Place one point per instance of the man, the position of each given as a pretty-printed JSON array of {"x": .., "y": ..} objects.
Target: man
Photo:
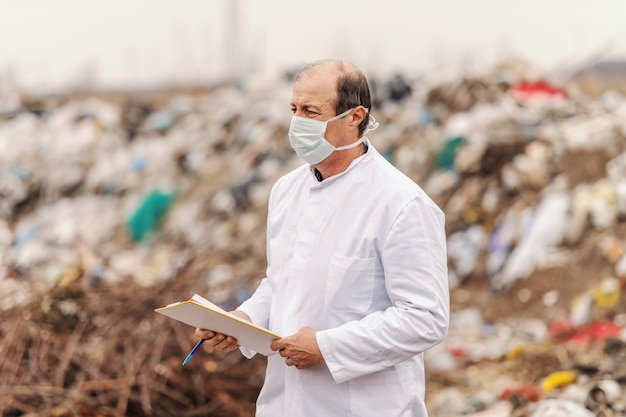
[{"x": 356, "y": 266}]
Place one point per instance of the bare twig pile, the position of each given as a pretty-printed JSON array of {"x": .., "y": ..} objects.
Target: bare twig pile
[{"x": 104, "y": 352}]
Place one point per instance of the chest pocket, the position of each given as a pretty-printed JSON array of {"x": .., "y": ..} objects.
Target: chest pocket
[{"x": 350, "y": 284}]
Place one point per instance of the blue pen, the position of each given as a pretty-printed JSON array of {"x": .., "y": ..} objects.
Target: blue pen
[{"x": 196, "y": 347}]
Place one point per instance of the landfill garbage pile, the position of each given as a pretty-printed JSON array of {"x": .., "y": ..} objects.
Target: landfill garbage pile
[{"x": 114, "y": 205}]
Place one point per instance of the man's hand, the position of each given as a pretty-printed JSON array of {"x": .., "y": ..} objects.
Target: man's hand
[
  {"x": 299, "y": 349},
  {"x": 221, "y": 341}
]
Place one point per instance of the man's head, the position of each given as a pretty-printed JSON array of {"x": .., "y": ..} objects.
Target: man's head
[{"x": 342, "y": 86}]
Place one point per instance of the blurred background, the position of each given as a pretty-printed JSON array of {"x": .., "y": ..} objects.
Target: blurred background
[
  {"x": 139, "y": 142},
  {"x": 52, "y": 46}
]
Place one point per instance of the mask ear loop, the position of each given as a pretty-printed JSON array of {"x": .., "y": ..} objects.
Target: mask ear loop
[
  {"x": 372, "y": 124},
  {"x": 339, "y": 116}
]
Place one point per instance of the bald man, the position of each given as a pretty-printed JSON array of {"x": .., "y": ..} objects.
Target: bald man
[{"x": 356, "y": 266}]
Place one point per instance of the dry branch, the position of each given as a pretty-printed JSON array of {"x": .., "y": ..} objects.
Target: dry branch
[{"x": 65, "y": 365}]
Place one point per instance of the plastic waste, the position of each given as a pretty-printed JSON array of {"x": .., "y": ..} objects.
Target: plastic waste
[
  {"x": 499, "y": 409},
  {"x": 504, "y": 238},
  {"x": 616, "y": 174},
  {"x": 580, "y": 308},
  {"x": 147, "y": 218},
  {"x": 528, "y": 393},
  {"x": 558, "y": 379},
  {"x": 560, "y": 408},
  {"x": 441, "y": 359},
  {"x": 532, "y": 167},
  {"x": 603, "y": 205},
  {"x": 464, "y": 248},
  {"x": 607, "y": 294},
  {"x": 441, "y": 182},
  {"x": 578, "y": 217},
  {"x": 603, "y": 393},
  {"x": 164, "y": 120},
  {"x": 594, "y": 331},
  {"x": 446, "y": 156},
  {"x": 450, "y": 401},
  {"x": 545, "y": 233},
  {"x": 541, "y": 92},
  {"x": 13, "y": 192}
]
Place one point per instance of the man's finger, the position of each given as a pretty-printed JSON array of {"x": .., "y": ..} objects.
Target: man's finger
[
  {"x": 204, "y": 334},
  {"x": 277, "y": 345},
  {"x": 224, "y": 342}
]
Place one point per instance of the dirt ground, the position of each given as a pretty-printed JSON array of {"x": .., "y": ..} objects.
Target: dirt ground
[{"x": 569, "y": 280}]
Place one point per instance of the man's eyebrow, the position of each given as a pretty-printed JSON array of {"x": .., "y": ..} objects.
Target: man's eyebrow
[{"x": 308, "y": 107}]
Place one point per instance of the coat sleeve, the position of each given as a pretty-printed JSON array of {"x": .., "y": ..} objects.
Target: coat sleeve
[
  {"x": 258, "y": 306},
  {"x": 414, "y": 261}
]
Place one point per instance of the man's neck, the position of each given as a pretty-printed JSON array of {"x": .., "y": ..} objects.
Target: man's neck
[{"x": 338, "y": 162}]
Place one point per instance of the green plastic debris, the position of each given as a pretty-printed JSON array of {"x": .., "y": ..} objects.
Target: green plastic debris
[
  {"x": 447, "y": 155},
  {"x": 147, "y": 218}
]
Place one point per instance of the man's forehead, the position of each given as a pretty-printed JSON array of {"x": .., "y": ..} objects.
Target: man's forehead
[
  {"x": 314, "y": 91},
  {"x": 318, "y": 101}
]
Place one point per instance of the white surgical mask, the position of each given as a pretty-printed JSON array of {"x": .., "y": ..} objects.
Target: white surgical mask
[{"x": 307, "y": 138}]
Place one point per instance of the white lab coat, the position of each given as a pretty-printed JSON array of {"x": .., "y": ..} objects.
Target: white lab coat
[{"x": 361, "y": 258}]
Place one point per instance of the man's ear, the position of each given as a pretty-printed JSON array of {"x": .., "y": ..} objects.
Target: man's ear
[{"x": 358, "y": 115}]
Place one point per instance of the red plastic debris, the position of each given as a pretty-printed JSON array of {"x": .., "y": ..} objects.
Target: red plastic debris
[
  {"x": 528, "y": 393},
  {"x": 602, "y": 330},
  {"x": 537, "y": 91},
  {"x": 596, "y": 331},
  {"x": 457, "y": 351},
  {"x": 560, "y": 329}
]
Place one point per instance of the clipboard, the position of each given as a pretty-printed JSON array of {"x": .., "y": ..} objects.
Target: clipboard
[{"x": 201, "y": 313}]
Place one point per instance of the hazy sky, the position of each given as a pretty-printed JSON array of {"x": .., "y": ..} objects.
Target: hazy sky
[{"x": 54, "y": 43}]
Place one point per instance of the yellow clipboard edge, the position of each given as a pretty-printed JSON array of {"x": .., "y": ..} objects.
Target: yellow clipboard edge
[{"x": 230, "y": 316}]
